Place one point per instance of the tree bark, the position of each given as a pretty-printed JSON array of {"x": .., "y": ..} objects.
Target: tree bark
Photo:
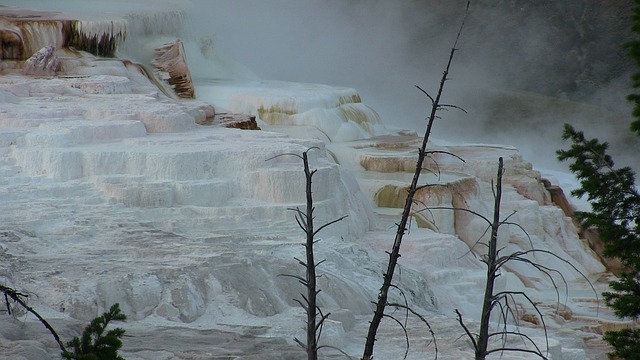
[
  {"x": 492, "y": 256},
  {"x": 312, "y": 346},
  {"x": 406, "y": 213}
]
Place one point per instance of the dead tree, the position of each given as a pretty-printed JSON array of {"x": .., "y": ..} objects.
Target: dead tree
[
  {"x": 20, "y": 298},
  {"x": 305, "y": 220},
  {"x": 394, "y": 255},
  {"x": 504, "y": 301}
]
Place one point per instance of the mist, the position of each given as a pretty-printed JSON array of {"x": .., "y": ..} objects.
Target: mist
[{"x": 522, "y": 68}]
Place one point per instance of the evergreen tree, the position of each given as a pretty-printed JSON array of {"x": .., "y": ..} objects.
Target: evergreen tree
[
  {"x": 615, "y": 212},
  {"x": 95, "y": 344}
]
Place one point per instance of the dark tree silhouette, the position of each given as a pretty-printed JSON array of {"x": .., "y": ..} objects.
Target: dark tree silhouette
[
  {"x": 305, "y": 220},
  {"x": 501, "y": 304},
  {"x": 615, "y": 213},
  {"x": 11, "y": 294},
  {"x": 394, "y": 255},
  {"x": 95, "y": 344}
]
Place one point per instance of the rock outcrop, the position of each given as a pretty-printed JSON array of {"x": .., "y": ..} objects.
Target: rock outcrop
[
  {"x": 43, "y": 62},
  {"x": 235, "y": 121},
  {"x": 170, "y": 65}
]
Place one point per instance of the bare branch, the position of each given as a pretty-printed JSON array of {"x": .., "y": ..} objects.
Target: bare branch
[
  {"x": 17, "y": 297},
  {"x": 454, "y": 107},
  {"x": 535, "y": 307},
  {"x": 518, "y": 334},
  {"x": 508, "y": 217},
  {"x": 427, "y": 94},
  {"x": 299, "y": 278},
  {"x": 330, "y": 223},
  {"x": 460, "y": 209},
  {"x": 521, "y": 228},
  {"x": 301, "y": 223},
  {"x": 286, "y": 154},
  {"x": 433, "y": 334},
  {"x": 303, "y": 306},
  {"x": 336, "y": 349},
  {"x": 406, "y": 335},
  {"x": 445, "y": 152},
  {"x": 471, "y": 337}
]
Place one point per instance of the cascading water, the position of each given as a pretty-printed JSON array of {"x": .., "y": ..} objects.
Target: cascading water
[
  {"x": 36, "y": 35},
  {"x": 81, "y": 24},
  {"x": 101, "y": 38}
]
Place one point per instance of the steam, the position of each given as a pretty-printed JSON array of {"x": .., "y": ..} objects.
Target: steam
[
  {"x": 522, "y": 69},
  {"x": 355, "y": 44},
  {"x": 384, "y": 48}
]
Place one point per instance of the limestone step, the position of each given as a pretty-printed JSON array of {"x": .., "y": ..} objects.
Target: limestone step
[
  {"x": 5, "y": 159},
  {"x": 139, "y": 191},
  {"x": 77, "y": 132},
  {"x": 8, "y": 137},
  {"x": 9, "y": 170}
]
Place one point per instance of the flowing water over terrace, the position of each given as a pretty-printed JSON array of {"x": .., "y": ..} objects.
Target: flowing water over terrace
[{"x": 112, "y": 193}]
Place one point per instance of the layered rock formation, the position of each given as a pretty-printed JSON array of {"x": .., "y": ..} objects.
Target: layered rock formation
[
  {"x": 235, "y": 121},
  {"x": 170, "y": 64},
  {"x": 24, "y": 31},
  {"x": 111, "y": 192},
  {"x": 43, "y": 62}
]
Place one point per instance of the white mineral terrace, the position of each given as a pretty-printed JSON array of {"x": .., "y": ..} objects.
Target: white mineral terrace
[{"x": 110, "y": 192}]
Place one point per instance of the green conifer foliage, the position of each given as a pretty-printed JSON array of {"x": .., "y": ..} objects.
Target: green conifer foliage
[
  {"x": 612, "y": 194},
  {"x": 95, "y": 344},
  {"x": 615, "y": 212}
]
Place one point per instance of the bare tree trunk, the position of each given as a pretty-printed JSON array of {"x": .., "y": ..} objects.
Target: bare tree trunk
[
  {"x": 402, "y": 227},
  {"x": 315, "y": 317},
  {"x": 503, "y": 301},
  {"x": 312, "y": 346},
  {"x": 492, "y": 257}
]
